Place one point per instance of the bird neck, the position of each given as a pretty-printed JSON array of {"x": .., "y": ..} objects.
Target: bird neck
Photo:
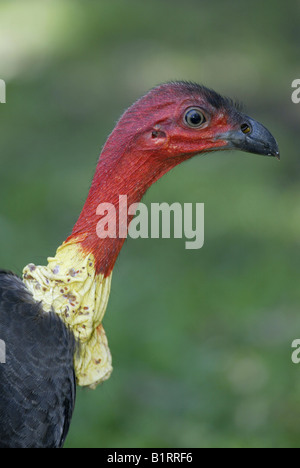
[
  {"x": 121, "y": 171},
  {"x": 76, "y": 282},
  {"x": 70, "y": 287}
]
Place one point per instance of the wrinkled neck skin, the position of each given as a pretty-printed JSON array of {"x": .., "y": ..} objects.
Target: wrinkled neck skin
[{"x": 76, "y": 282}]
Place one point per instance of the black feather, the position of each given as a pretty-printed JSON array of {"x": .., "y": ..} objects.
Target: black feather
[
  {"x": 213, "y": 98},
  {"x": 37, "y": 382}
]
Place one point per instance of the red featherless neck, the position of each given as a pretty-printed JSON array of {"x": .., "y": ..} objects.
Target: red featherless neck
[{"x": 124, "y": 168}]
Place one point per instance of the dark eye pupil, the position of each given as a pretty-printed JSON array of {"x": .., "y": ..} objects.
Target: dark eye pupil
[{"x": 194, "y": 118}]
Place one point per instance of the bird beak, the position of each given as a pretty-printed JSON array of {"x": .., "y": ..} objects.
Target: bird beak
[{"x": 252, "y": 137}]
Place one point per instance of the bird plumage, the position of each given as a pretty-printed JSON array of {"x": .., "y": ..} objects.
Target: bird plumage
[
  {"x": 37, "y": 382},
  {"x": 51, "y": 322}
]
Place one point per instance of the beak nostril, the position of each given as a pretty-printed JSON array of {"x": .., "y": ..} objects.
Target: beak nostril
[{"x": 246, "y": 128}]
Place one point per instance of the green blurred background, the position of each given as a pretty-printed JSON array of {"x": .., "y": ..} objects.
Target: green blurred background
[{"x": 201, "y": 340}]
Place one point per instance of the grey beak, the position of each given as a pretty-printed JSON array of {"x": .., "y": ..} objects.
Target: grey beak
[{"x": 252, "y": 137}]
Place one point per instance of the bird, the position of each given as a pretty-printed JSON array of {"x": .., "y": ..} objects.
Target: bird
[{"x": 51, "y": 317}]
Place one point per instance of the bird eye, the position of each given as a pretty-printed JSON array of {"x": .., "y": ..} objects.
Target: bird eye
[
  {"x": 246, "y": 128},
  {"x": 194, "y": 117}
]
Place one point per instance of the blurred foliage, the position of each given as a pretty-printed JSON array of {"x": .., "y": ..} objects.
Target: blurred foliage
[{"x": 201, "y": 340}]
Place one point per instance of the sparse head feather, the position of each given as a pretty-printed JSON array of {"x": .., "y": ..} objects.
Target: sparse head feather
[
  {"x": 167, "y": 93},
  {"x": 191, "y": 88}
]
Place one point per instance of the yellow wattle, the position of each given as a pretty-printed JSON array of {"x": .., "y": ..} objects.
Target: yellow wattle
[{"x": 70, "y": 286}]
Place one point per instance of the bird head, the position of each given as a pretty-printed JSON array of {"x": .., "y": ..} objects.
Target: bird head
[
  {"x": 181, "y": 119},
  {"x": 167, "y": 126}
]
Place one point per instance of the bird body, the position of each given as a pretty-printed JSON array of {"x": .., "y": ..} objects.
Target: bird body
[
  {"x": 37, "y": 381},
  {"x": 51, "y": 321}
]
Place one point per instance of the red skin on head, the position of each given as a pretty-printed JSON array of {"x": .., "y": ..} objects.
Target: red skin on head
[{"x": 149, "y": 140}]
